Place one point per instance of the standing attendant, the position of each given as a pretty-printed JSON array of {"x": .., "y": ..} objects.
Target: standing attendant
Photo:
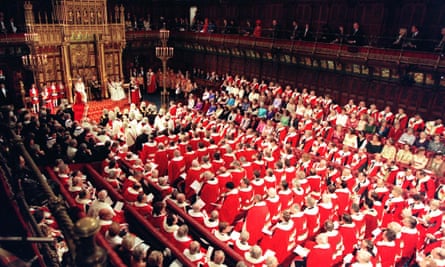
[
  {"x": 151, "y": 82},
  {"x": 356, "y": 37},
  {"x": 34, "y": 96},
  {"x": 4, "y": 95},
  {"x": 257, "y": 29},
  {"x": 46, "y": 96},
  {"x": 95, "y": 88},
  {"x": 135, "y": 93},
  {"x": 54, "y": 97},
  {"x": 61, "y": 91},
  {"x": 80, "y": 107}
]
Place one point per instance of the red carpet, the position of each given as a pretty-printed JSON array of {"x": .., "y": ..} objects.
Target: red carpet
[{"x": 95, "y": 108}]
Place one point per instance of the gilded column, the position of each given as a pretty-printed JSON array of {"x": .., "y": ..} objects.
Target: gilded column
[
  {"x": 29, "y": 16},
  {"x": 121, "y": 74},
  {"x": 66, "y": 72},
  {"x": 100, "y": 58}
]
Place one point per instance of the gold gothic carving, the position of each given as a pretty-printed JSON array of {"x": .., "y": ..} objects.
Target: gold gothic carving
[{"x": 79, "y": 41}]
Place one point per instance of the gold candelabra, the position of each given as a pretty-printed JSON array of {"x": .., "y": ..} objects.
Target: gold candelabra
[
  {"x": 164, "y": 53},
  {"x": 34, "y": 61}
]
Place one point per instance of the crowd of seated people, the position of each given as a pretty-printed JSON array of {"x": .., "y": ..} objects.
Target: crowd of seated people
[
  {"x": 49, "y": 228},
  {"x": 132, "y": 250},
  {"x": 268, "y": 169},
  {"x": 411, "y": 38}
]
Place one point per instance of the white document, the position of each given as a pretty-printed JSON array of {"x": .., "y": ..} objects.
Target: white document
[
  {"x": 301, "y": 251},
  {"x": 196, "y": 186},
  {"x": 119, "y": 205},
  {"x": 235, "y": 235}
]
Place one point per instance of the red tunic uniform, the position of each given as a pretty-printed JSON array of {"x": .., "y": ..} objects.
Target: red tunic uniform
[
  {"x": 34, "y": 95},
  {"x": 79, "y": 106},
  {"x": 135, "y": 94},
  {"x": 151, "y": 83}
]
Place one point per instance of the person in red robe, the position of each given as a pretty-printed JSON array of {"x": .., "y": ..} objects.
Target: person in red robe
[
  {"x": 387, "y": 248},
  {"x": 193, "y": 174},
  {"x": 257, "y": 29},
  {"x": 371, "y": 218},
  {"x": 176, "y": 166},
  {"x": 246, "y": 195},
  {"x": 425, "y": 184},
  {"x": 135, "y": 93},
  {"x": 210, "y": 191},
  {"x": 148, "y": 150},
  {"x": 151, "y": 82},
  {"x": 195, "y": 254},
  {"x": 257, "y": 217},
  {"x": 61, "y": 91},
  {"x": 131, "y": 193},
  {"x": 34, "y": 96},
  {"x": 321, "y": 254},
  {"x": 335, "y": 241},
  {"x": 196, "y": 213},
  {"x": 189, "y": 156},
  {"x": 254, "y": 257},
  {"x": 54, "y": 96},
  {"x": 410, "y": 238},
  {"x": 348, "y": 232},
  {"x": 142, "y": 206},
  {"x": 231, "y": 204},
  {"x": 273, "y": 204},
  {"x": 237, "y": 173},
  {"x": 181, "y": 239},
  {"x": 161, "y": 159},
  {"x": 241, "y": 245},
  {"x": 286, "y": 195},
  {"x": 46, "y": 96},
  {"x": 312, "y": 214},
  {"x": 431, "y": 221},
  {"x": 282, "y": 239}
]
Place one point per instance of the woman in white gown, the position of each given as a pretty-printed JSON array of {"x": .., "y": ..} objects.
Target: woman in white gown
[{"x": 116, "y": 90}]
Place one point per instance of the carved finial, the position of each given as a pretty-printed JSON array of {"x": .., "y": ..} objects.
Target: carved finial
[
  {"x": 27, "y": 5},
  {"x": 122, "y": 15}
]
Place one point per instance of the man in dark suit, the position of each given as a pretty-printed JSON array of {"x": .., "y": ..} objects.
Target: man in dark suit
[
  {"x": 414, "y": 41},
  {"x": 295, "y": 34},
  {"x": 5, "y": 98},
  {"x": 95, "y": 88},
  {"x": 440, "y": 47},
  {"x": 141, "y": 139},
  {"x": 356, "y": 38},
  {"x": 3, "y": 27},
  {"x": 12, "y": 28},
  {"x": 306, "y": 34},
  {"x": 276, "y": 30}
]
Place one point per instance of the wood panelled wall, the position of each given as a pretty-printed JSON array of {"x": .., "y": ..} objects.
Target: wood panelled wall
[{"x": 342, "y": 87}]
